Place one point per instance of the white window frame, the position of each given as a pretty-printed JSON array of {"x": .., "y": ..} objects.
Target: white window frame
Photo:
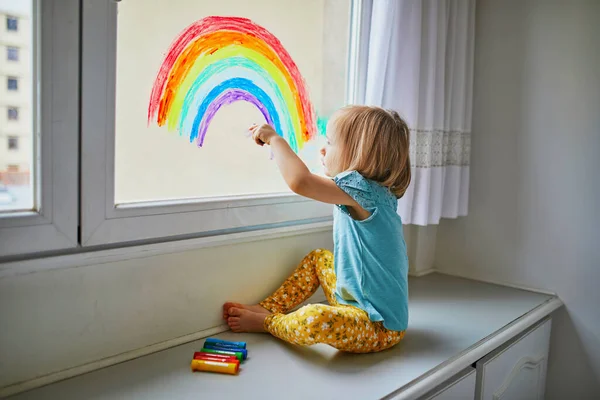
[
  {"x": 104, "y": 223},
  {"x": 55, "y": 135}
]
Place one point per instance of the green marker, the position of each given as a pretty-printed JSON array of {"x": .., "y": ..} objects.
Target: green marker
[
  {"x": 237, "y": 354},
  {"x": 218, "y": 347}
]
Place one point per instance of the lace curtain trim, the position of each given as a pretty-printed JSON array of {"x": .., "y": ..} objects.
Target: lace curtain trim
[{"x": 438, "y": 148}]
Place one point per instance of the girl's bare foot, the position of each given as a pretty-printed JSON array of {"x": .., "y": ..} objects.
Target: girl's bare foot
[
  {"x": 255, "y": 308},
  {"x": 243, "y": 320}
]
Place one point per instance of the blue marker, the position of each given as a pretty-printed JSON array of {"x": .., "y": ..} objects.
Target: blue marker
[{"x": 225, "y": 343}]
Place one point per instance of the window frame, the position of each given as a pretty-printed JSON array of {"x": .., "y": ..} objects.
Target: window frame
[
  {"x": 54, "y": 225},
  {"x": 104, "y": 223}
]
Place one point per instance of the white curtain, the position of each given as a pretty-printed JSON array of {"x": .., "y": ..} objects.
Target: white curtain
[{"x": 420, "y": 63}]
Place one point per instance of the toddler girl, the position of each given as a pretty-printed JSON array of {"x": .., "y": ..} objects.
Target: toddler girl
[{"x": 365, "y": 279}]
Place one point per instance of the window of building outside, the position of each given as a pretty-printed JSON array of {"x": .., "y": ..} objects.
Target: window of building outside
[
  {"x": 13, "y": 143},
  {"x": 12, "y": 83},
  {"x": 12, "y": 23},
  {"x": 12, "y": 113},
  {"x": 12, "y": 53}
]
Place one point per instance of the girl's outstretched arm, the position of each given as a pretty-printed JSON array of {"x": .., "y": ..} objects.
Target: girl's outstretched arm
[{"x": 297, "y": 175}]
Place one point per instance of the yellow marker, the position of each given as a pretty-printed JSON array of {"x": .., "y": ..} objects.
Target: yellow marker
[{"x": 215, "y": 366}]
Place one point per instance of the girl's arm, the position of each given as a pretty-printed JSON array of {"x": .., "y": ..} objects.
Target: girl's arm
[
  {"x": 297, "y": 176},
  {"x": 301, "y": 181}
]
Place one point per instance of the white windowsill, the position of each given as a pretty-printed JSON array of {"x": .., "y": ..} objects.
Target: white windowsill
[
  {"x": 454, "y": 322},
  {"x": 15, "y": 268}
]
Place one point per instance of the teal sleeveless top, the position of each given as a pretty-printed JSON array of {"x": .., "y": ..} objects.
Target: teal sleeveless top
[{"x": 370, "y": 259}]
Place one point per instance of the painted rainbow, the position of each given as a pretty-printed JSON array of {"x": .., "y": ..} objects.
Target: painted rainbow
[{"x": 220, "y": 60}]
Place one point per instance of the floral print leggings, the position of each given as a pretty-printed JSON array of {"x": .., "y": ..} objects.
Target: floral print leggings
[{"x": 344, "y": 327}]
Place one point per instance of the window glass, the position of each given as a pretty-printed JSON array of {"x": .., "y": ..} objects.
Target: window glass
[
  {"x": 190, "y": 86},
  {"x": 16, "y": 108}
]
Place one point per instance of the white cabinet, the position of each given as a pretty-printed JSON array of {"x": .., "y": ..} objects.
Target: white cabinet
[
  {"x": 459, "y": 387},
  {"x": 516, "y": 371}
]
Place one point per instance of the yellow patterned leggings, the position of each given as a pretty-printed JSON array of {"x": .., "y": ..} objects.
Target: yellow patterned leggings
[{"x": 346, "y": 328}]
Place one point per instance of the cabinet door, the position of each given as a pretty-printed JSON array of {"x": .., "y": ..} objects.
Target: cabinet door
[
  {"x": 516, "y": 371},
  {"x": 459, "y": 387}
]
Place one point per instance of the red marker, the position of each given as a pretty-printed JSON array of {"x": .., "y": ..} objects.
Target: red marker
[{"x": 214, "y": 357}]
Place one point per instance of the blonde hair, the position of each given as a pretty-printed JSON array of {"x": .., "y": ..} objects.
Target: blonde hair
[{"x": 374, "y": 142}]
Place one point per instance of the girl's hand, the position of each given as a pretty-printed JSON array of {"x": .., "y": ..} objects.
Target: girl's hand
[
  {"x": 263, "y": 134},
  {"x": 295, "y": 173}
]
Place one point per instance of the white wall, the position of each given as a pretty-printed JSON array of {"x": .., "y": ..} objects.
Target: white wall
[
  {"x": 535, "y": 190},
  {"x": 57, "y": 319}
]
